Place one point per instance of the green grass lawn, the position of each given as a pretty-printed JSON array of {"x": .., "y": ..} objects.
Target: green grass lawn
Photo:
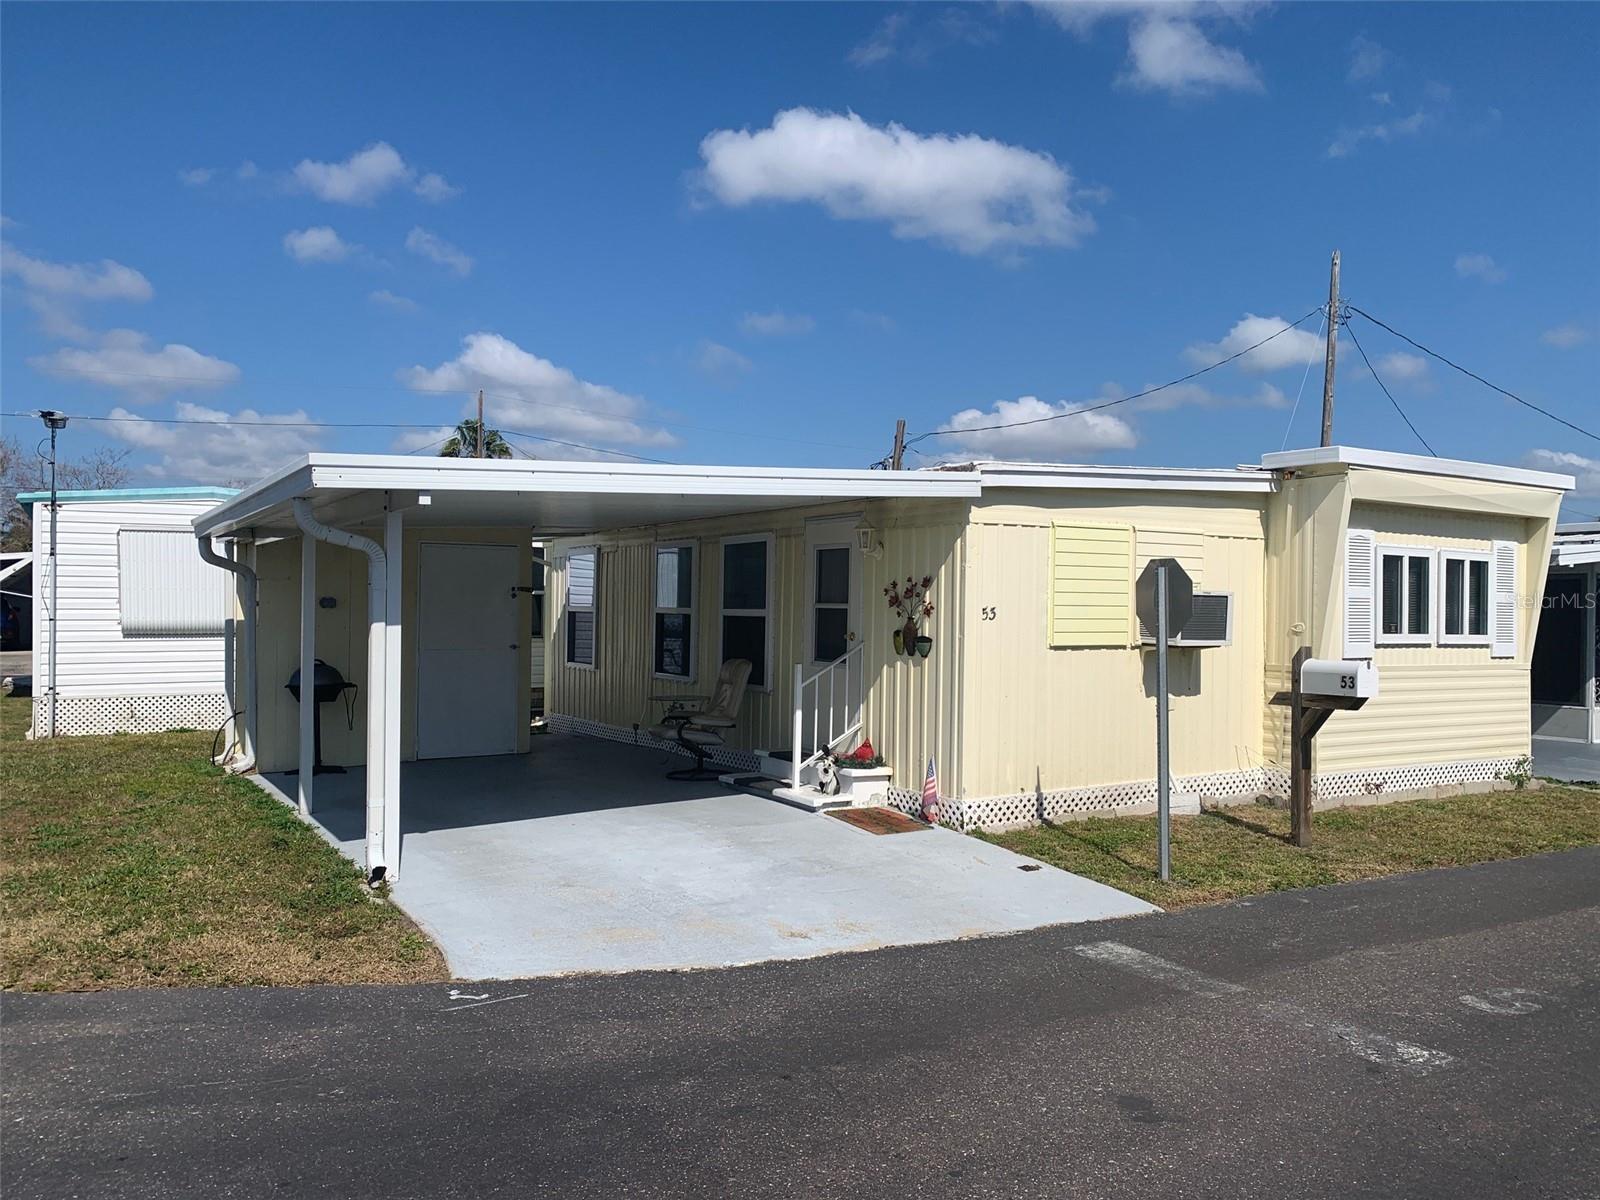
[
  {"x": 131, "y": 861},
  {"x": 1245, "y": 851}
]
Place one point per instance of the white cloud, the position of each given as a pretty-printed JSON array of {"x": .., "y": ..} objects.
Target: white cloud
[
  {"x": 1382, "y": 99},
  {"x": 434, "y": 248},
  {"x": 196, "y": 176},
  {"x": 1586, "y": 471},
  {"x": 368, "y": 174},
  {"x": 917, "y": 38},
  {"x": 1265, "y": 395},
  {"x": 1347, "y": 141},
  {"x": 1368, "y": 59},
  {"x": 1568, "y": 336},
  {"x": 969, "y": 192},
  {"x": 125, "y": 360},
  {"x": 1480, "y": 266},
  {"x": 1172, "y": 55},
  {"x": 246, "y": 170},
  {"x": 1170, "y": 47},
  {"x": 413, "y": 440},
  {"x": 207, "y": 450},
  {"x": 105, "y": 280},
  {"x": 1051, "y": 440},
  {"x": 320, "y": 243},
  {"x": 524, "y": 391},
  {"x": 719, "y": 362},
  {"x": 1407, "y": 368},
  {"x": 1293, "y": 348},
  {"x": 777, "y": 324},
  {"x": 387, "y": 299}
]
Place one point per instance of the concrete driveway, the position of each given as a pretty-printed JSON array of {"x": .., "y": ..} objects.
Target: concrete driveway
[{"x": 581, "y": 857}]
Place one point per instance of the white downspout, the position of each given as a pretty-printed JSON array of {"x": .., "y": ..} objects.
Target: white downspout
[
  {"x": 246, "y": 760},
  {"x": 377, "y": 674}
]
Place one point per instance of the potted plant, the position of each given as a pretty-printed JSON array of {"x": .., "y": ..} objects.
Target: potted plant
[
  {"x": 862, "y": 775},
  {"x": 910, "y": 604}
]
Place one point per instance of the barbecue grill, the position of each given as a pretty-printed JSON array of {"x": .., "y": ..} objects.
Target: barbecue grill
[{"x": 327, "y": 684}]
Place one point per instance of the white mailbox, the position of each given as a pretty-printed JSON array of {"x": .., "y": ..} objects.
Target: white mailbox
[{"x": 1353, "y": 679}]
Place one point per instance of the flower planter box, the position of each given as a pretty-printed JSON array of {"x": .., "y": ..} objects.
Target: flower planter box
[{"x": 863, "y": 786}]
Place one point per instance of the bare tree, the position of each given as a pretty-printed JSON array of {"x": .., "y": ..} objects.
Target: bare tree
[{"x": 22, "y": 469}]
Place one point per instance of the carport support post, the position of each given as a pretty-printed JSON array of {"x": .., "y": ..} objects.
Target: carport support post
[
  {"x": 308, "y": 668},
  {"x": 393, "y": 532}
]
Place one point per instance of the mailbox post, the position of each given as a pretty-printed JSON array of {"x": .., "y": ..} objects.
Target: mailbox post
[
  {"x": 1164, "y": 600},
  {"x": 1319, "y": 687}
]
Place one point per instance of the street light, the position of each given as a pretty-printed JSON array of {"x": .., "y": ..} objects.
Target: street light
[{"x": 55, "y": 422}]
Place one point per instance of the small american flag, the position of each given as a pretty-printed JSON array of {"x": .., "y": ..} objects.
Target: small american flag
[{"x": 930, "y": 794}]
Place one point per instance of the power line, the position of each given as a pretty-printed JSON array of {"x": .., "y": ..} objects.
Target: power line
[
  {"x": 1310, "y": 359},
  {"x": 92, "y": 372},
  {"x": 1387, "y": 392},
  {"x": 1473, "y": 375},
  {"x": 1078, "y": 412},
  {"x": 345, "y": 425}
]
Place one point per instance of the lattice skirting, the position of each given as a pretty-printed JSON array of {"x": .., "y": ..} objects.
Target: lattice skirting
[
  {"x": 724, "y": 756},
  {"x": 1331, "y": 790},
  {"x": 1377, "y": 785},
  {"x": 130, "y": 714}
]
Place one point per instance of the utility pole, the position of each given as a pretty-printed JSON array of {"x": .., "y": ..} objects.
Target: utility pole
[
  {"x": 1333, "y": 342},
  {"x": 480, "y": 415},
  {"x": 897, "y": 460}
]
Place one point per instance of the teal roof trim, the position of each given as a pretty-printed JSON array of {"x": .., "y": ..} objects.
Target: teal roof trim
[{"x": 115, "y": 494}]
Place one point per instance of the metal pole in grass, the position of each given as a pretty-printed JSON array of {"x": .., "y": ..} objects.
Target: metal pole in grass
[
  {"x": 54, "y": 422},
  {"x": 1163, "y": 784}
]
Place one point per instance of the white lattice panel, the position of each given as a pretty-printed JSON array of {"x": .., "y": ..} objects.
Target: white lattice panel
[{"x": 130, "y": 714}]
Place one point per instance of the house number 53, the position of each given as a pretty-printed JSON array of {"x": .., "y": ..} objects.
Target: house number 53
[{"x": 989, "y": 613}]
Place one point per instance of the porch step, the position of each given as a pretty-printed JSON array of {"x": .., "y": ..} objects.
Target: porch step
[{"x": 808, "y": 798}]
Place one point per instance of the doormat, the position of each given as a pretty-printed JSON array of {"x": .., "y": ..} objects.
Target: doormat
[{"x": 878, "y": 820}]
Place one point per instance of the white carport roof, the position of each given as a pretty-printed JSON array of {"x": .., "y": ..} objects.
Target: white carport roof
[
  {"x": 554, "y": 497},
  {"x": 1576, "y": 545}
]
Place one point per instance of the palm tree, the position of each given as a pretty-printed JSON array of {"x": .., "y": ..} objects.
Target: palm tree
[{"x": 464, "y": 442}]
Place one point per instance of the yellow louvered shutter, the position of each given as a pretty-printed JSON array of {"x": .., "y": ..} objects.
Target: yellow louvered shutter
[{"x": 1091, "y": 585}]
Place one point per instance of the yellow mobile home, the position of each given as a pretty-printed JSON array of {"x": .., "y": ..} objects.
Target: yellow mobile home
[{"x": 979, "y": 616}]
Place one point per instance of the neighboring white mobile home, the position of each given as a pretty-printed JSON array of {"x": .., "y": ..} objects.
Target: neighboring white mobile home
[
  {"x": 1029, "y": 682},
  {"x": 141, "y": 621}
]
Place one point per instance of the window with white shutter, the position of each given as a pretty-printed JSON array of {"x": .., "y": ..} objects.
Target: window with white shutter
[
  {"x": 1360, "y": 594},
  {"x": 582, "y": 601},
  {"x": 1503, "y": 605}
]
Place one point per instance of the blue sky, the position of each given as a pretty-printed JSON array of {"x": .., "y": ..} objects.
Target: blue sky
[{"x": 759, "y": 234}]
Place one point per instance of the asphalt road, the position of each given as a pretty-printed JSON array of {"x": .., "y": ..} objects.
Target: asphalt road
[{"x": 1431, "y": 1035}]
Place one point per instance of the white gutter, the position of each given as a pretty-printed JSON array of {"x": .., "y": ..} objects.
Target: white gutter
[
  {"x": 247, "y": 737},
  {"x": 378, "y": 868}
]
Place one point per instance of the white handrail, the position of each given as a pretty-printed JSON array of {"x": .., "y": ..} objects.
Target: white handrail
[{"x": 850, "y": 718}]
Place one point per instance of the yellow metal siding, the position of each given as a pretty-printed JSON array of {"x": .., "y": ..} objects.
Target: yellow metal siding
[
  {"x": 1090, "y": 585},
  {"x": 1435, "y": 703},
  {"x": 341, "y": 639},
  {"x": 1036, "y": 718}
]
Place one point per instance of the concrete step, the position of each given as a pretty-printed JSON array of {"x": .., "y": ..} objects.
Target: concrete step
[{"x": 808, "y": 798}]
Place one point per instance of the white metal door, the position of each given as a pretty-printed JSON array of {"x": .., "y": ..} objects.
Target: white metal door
[{"x": 468, "y": 648}]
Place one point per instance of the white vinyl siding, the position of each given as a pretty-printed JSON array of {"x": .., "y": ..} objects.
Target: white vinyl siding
[
  {"x": 97, "y": 657},
  {"x": 165, "y": 589},
  {"x": 578, "y": 622},
  {"x": 672, "y": 621}
]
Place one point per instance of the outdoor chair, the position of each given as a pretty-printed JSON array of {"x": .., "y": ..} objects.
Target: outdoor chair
[{"x": 702, "y": 730}]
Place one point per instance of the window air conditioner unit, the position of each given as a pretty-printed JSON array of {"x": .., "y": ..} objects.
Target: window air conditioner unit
[{"x": 1210, "y": 623}]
